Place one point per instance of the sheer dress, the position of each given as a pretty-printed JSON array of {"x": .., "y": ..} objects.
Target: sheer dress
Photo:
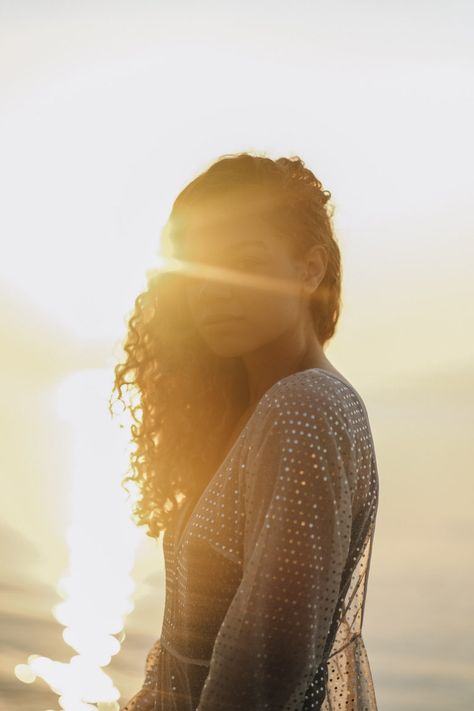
[{"x": 266, "y": 575}]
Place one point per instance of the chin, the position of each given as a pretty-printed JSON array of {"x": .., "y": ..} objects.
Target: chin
[
  {"x": 228, "y": 347},
  {"x": 225, "y": 350}
]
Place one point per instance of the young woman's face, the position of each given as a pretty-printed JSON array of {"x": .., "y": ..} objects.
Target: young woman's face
[{"x": 252, "y": 288}]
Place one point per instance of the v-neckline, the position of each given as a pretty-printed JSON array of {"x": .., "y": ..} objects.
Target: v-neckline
[{"x": 182, "y": 528}]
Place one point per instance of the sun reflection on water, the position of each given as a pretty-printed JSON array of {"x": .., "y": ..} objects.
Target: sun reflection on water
[{"x": 102, "y": 539}]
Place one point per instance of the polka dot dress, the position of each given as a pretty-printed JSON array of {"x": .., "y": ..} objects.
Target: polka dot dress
[{"x": 266, "y": 574}]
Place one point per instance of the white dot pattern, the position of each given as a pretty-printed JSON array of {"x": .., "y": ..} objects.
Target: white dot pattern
[{"x": 266, "y": 577}]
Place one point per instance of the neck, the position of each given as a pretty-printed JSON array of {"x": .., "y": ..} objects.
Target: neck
[{"x": 294, "y": 352}]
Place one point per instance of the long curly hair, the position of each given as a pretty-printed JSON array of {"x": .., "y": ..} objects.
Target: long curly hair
[{"x": 184, "y": 399}]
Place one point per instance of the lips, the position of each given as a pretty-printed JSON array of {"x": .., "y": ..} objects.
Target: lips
[{"x": 219, "y": 319}]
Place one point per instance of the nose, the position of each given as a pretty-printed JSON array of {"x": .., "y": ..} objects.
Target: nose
[{"x": 212, "y": 289}]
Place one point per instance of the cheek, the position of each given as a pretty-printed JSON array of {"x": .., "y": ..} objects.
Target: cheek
[
  {"x": 269, "y": 314},
  {"x": 191, "y": 291}
]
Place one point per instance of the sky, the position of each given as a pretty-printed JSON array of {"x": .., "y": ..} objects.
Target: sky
[{"x": 108, "y": 109}]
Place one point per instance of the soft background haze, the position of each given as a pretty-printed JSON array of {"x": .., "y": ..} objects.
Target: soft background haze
[{"x": 108, "y": 109}]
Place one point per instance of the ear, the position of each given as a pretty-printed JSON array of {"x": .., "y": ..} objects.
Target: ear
[{"x": 315, "y": 264}]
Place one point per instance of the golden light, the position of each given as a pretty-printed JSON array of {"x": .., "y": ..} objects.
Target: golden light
[
  {"x": 102, "y": 541},
  {"x": 208, "y": 272}
]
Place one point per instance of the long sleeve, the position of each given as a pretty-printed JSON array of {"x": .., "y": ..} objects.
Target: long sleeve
[
  {"x": 272, "y": 643},
  {"x": 144, "y": 699}
]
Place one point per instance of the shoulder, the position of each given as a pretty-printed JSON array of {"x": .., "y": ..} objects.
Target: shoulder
[
  {"x": 311, "y": 405},
  {"x": 304, "y": 424},
  {"x": 313, "y": 392},
  {"x": 305, "y": 405}
]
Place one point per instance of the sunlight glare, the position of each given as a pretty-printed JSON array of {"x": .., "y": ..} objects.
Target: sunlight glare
[
  {"x": 225, "y": 275},
  {"x": 102, "y": 540}
]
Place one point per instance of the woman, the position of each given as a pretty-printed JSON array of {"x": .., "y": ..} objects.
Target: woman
[{"x": 254, "y": 454}]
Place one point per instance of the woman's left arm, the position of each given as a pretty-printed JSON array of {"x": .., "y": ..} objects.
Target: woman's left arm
[{"x": 298, "y": 520}]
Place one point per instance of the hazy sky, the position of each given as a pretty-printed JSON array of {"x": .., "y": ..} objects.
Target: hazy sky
[{"x": 109, "y": 108}]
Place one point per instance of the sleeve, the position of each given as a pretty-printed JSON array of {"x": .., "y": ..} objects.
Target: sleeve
[
  {"x": 272, "y": 642},
  {"x": 144, "y": 699}
]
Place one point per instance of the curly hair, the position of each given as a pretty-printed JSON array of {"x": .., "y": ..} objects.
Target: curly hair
[{"x": 189, "y": 398}]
